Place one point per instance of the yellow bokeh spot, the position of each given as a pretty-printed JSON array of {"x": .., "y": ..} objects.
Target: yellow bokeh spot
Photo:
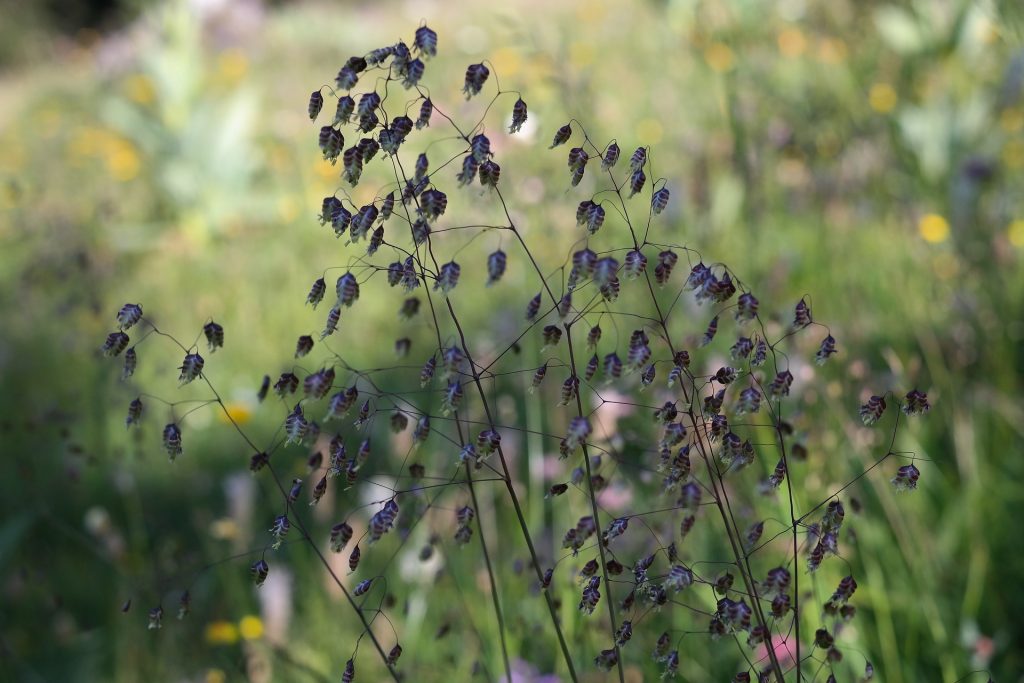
[
  {"x": 1015, "y": 232},
  {"x": 719, "y": 57},
  {"x": 236, "y": 411},
  {"x": 216, "y": 676},
  {"x": 122, "y": 160},
  {"x": 792, "y": 42},
  {"x": 882, "y": 98},
  {"x": 232, "y": 65},
  {"x": 1012, "y": 120},
  {"x": 581, "y": 53},
  {"x": 507, "y": 62},
  {"x": 933, "y": 228},
  {"x": 1013, "y": 154},
  {"x": 139, "y": 89},
  {"x": 251, "y": 627},
  {"x": 221, "y": 633},
  {"x": 224, "y": 528},
  {"x": 649, "y": 131},
  {"x": 831, "y": 51}
]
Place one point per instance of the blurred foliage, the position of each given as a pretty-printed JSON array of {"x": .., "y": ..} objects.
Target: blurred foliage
[{"x": 866, "y": 153}]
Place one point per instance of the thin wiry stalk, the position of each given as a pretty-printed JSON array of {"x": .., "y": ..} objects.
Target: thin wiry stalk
[{"x": 610, "y": 598}]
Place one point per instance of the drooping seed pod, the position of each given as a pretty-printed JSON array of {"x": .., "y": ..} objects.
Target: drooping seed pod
[
  {"x": 172, "y": 440},
  {"x": 368, "y": 148},
  {"x": 346, "y": 78},
  {"x": 679, "y": 578},
  {"x": 593, "y": 337},
  {"x": 295, "y": 491},
  {"x": 287, "y": 383},
  {"x": 827, "y": 348},
  {"x": 191, "y": 368},
  {"x": 760, "y": 353},
  {"x": 410, "y": 307},
  {"x": 480, "y": 147},
  {"x": 413, "y": 73},
  {"x": 354, "y": 557},
  {"x": 422, "y": 430},
  {"x": 570, "y": 390},
  {"x": 341, "y": 534},
  {"x": 362, "y": 221},
  {"x": 383, "y": 520},
  {"x": 490, "y": 173},
  {"x": 333, "y": 317},
  {"x": 156, "y": 616},
  {"x": 129, "y": 315},
  {"x": 659, "y": 200},
  {"x": 259, "y": 570},
  {"x": 801, "y": 315},
  {"x": 115, "y": 343},
  {"x": 750, "y": 401},
  {"x": 639, "y": 158},
  {"x": 427, "y": 373},
  {"x": 915, "y": 403},
  {"x": 562, "y": 135},
  {"x": 331, "y": 143},
  {"x": 131, "y": 361},
  {"x": 496, "y": 263},
  {"x": 452, "y": 398},
  {"x": 713, "y": 403},
  {"x": 872, "y": 411},
  {"x": 635, "y": 264},
  {"x": 636, "y": 182},
  {"x": 552, "y": 335},
  {"x": 647, "y": 376},
  {"x": 452, "y": 359},
  {"x": 577, "y": 158},
  {"x": 725, "y": 375},
  {"x": 317, "y": 384},
  {"x": 781, "y": 384},
  {"x": 258, "y": 461},
  {"x": 349, "y": 675},
  {"x": 605, "y": 270},
  {"x": 376, "y": 239},
  {"x": 343, "y": 112},
  {"x": 533, "y": 308},
  {"x": 295, "y": 425},
  {"x": 279, "y": 529},
  {"x": 709, "y": 334},
  {"x": 616, "y": 528},
  {"x": 347, "y": 289},
  {"x": 611, "y": 156},
  {"x": 420, "y": 232},
  {"x": 425, "y": 41},
  {"x": 316, "y": 103},
  {"x": 426, "y": 110},
  {"x": 538, "y": 377},
  {"x": 448, "y": 278},
  {"x": 741, "y": 349},
  {"x": 487, "y": 442},
  {"x": 368, "y": 102},
  {"x": 612, "y": 366},
  {"x": 666, "y": 263},
  {"x": 591, "y": 368},
  {"x": 476, "y": 76},
  {"x": 303, "y": 346},
  {"x": 362, "y": 587},
  {"x": 134, "y": 413},
  {"x": 906, "y": 478},
  {"x": 519, "y": 115},
  {"x": 564, "y": 307},
  {"x": 468, "y": 172},
  {"x": 316, "y": 293}
]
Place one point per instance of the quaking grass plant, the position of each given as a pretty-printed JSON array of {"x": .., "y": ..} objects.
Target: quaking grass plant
[{"x": 657, "y": 402}]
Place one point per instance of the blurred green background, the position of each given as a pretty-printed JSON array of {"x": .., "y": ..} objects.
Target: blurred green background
[{"x": 868, "y": 154}]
